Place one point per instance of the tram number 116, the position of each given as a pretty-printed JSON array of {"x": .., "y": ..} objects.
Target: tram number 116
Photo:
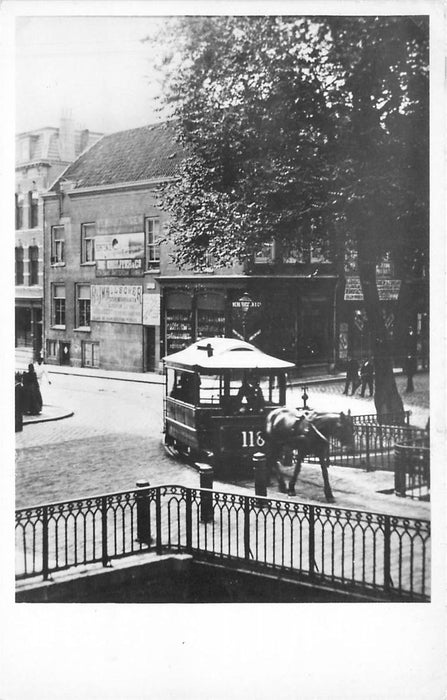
[{"x": 252, "y": 438}]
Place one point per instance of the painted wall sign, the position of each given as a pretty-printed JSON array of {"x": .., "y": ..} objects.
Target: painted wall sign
[
  {"x": 119, "y": 303},
  {"x": 120, "y": 254},
  {"x": 388, "y": 289},
  {"x": 120, "y": 224},
  {"x": 151, "y": 309}
]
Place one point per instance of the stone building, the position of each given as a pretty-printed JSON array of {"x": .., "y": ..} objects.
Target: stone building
[
  {"x": 115, "y": 300},
  {"x": 41, "y": 156}
]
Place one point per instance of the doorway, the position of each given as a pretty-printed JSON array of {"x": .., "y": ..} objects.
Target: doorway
[
  {"x": 149, "y": 345},
  {"x": 64, "y": 349}
]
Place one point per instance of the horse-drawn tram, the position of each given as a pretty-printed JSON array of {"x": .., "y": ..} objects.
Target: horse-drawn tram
[{"x": 217, "y": 394}]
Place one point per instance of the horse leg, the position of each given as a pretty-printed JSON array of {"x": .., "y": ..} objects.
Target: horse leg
[
  {"x": 324, "y": 461},
  {"x": 296, "y": 472},
  {"x": 272, "y": 464}
]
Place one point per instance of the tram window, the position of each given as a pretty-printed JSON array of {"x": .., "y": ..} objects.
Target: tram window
[
  {"x": 184, "y": 387},
  {"x": 210, "y": 389}
]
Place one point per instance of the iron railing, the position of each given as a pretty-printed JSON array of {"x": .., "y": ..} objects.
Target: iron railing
[
  {"x": 412, "y": 471},
  {"x": 386, "y": 555},
  {"x": 374, "y": 445},
  {"x": 396, "y": 418}
]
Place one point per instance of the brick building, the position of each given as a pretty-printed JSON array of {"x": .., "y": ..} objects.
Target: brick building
[
  {"x": 114, "y": 299},
  {"x": 41, "y": 156}
]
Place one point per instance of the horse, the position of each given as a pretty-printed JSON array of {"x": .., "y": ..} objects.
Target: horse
[{"x": 291, "y": 431}]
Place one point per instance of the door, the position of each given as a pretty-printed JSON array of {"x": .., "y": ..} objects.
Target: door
[
  {"x": 149, "y": 344},
  {"x": 64, "y": 353}
]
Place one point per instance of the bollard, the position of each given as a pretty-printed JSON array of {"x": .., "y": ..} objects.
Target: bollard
[
  {"x": 261, "y": 478},
  {"x": 143, "y": 512},
  {"x": 206, "y": 498}
]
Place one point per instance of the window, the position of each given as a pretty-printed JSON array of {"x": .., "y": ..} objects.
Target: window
[
  {"x": 266, "y": 254},
  {"x": 57, "y": 245},
  {"x": 83, "y": 306},
  {"x": 33, "y": 253},
  {"x": 152, "y": 243},
  {"x": 33, "y": 199},
  {"x": 88, "y": 243},
  {"x": 90, "y": 354},
  {"x": 19, "y": 210},
  {"x": 19, "y": 265},
  {"x": 59, "y": 305},
  {"x": 51, "y": 348}
]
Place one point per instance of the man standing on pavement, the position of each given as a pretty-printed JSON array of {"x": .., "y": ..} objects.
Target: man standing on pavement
[
  {"x": 352, "y": 376},
  {"x": 367, "y": 376}
]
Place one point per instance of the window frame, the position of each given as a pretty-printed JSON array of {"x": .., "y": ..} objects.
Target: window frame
[
  {"x": 88, "y": 240},
  {"x": 78, "y": 313},
  {"x": 57, "y": 245},
  {"x": 33, "y": 265},
  {"x": 20, "y": 198},
  {"x": 19, "y": 266},
  {"x": 266, "y": 259},
  {"x": 33, "y": 214},
  {"x": 152, "y": 249},
  {"x": 58, "y": 306}
]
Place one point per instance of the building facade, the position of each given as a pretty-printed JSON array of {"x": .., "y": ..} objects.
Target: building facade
[
  {"x": 115, "y": 300},
  {"x": 41, "y": 156}
]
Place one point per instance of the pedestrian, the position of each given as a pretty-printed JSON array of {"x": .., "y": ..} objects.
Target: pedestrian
[
  {"x": 367, "y": 376},
  {"x": 31, "y": 392},
  {"x": 409, "y": 371},
  {"x": 18, "y": 403},
  {"x": 352, "y": 376},
  {"x": 41, "y": 371}
]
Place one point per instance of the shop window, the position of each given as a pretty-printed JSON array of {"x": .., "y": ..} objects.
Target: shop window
[
  {"x": 19, "y": 265},
  {"x": 33, "y": 253},
  {"x": 57, "y": 245},
  {"x": 88, "y": 243},
  {"x": 210, "y": 315},
  {"x": 33, "y": 199},
  {"x": 152, "y": 227},
  {"x": 83, "y": 306},
  {"x": 58, "y": 314},
  {"x": 52, "y": 348},
  {"x": 266, "y": 255},
  {"x": 90, "y": 354},
  {"x": 178, "y": 322},
  {"x": 19, "y": 210}
]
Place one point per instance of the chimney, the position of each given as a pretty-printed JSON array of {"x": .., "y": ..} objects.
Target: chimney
[
  {"x": 84, "y": 139},
  {"x": 67, "y": 138}
]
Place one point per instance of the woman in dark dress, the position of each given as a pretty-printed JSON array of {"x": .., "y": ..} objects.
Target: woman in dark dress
[{"x": 31, "y": 392}]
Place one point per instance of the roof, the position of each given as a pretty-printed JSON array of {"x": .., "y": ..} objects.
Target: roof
[
  {"x": 146, "y": 153},
  {"x": 226, "y": 354}
]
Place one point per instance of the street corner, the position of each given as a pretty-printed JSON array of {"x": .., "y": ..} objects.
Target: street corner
[{"x": 49, "y": 413}]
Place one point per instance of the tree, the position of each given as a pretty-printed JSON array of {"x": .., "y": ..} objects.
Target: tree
[{"x": 299, "y": 125}]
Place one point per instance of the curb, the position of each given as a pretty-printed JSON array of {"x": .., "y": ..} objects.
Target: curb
[{"x": 32, "y": 420}]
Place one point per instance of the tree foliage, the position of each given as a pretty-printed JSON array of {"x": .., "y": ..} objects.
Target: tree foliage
[{"x": 302, "y": 127}]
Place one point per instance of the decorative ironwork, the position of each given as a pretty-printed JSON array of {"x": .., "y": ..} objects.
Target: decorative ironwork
[{"x": 352, "y": 549}]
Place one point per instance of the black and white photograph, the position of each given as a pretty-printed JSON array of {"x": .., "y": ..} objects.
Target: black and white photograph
[{"x": 229, "y": 343}]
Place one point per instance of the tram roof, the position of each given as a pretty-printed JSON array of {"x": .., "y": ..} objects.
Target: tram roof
[{"x": 226, "y": 354}]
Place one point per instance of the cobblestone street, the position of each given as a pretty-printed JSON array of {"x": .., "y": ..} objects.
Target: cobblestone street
[{"x": 114, "y": 439}]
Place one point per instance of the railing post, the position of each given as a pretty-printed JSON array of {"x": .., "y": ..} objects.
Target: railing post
[
  {"x": 104, "y": 554},
  {"x": 311, "y": 540},
  {"x": 158, "y": 520},
  {"x": 368, "y": 460},
  {"x": 387, "y": 553},
  {"x": 246, "y": 528},
  {"x": 143, "y": 512},
  {"x": 45, "y": 566},
  {"x": 206, "y": 497},
  {"x": 399, "y": 471},
  {"x": 188, "y": 520}
]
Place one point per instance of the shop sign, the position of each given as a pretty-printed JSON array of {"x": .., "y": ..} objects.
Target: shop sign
[
  {"x": 116, "y": 303},
  {"x": 388, "y": 289},
  {"x": 151, "y": 309},
  {"x": 117, "y": 225},
  {"x": 120, "y": 254}
]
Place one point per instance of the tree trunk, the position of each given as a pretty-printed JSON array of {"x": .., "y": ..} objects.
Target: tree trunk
[{"x": 386, "y": 396}]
